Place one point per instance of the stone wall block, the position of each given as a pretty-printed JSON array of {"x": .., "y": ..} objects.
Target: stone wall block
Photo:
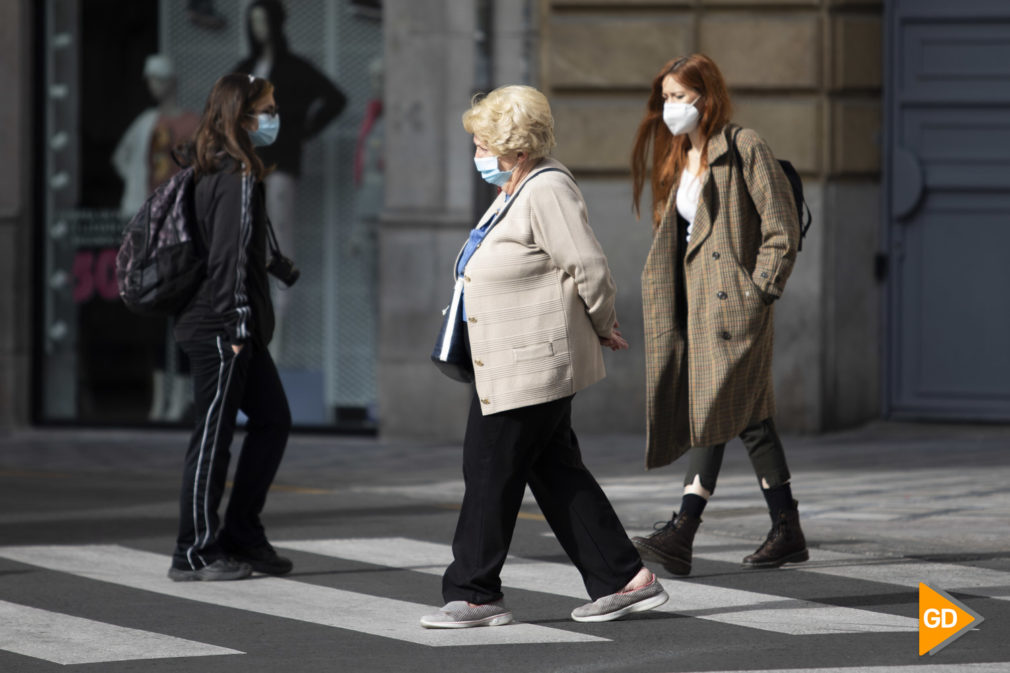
[
  {"x": 798, "y": 370},
  {"x": 596, "y": 135},
  {"x": 617, "y": 404},
  {"x": 856, "y": 3},
  {"x": 791, "y": 127},
  {"x": 857, "y": 59},
  {"x": 11, "y": 109},
  {"x": 852, "y": 338},
  {"x": 417, "y": 401},
  {"x": 763, "y": 3},
  {"x": 764, "y": 50},
  {"x": 603, "y": 51},
  {"x": 855, "y": 137},
  {"x": 577, "y": 4},
  {"x": 9, "y": 299}
]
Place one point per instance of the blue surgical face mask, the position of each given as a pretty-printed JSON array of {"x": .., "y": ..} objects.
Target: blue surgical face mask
[
  {"x": 269, "y": 127},
  {"x": 488, "y": 168}
]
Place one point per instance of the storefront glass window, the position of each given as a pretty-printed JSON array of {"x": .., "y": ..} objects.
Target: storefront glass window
[{"x": 124, "y": 81}]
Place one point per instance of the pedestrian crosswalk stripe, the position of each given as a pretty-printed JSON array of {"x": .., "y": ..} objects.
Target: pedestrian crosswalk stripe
[
  {"x": 963, "y": 579},
  {"x": 901, "y": 572},
  {"x": 64, "y": 639},
  {"x": 729, "y": 606},
  {"x": 285, "y": 598},
  {"x": 1000, "y": 667}
]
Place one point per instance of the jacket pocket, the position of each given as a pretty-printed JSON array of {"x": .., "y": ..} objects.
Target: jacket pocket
[{"x": 533, "y": 352}]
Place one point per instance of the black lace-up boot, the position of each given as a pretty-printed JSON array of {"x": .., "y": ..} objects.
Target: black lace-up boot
[
  {"x": 671, "y": 544},
  {"x": 785, "y": 542}
]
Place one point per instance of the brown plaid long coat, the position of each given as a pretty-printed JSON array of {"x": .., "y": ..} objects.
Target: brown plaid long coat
[{"x": 703, "y": 387}]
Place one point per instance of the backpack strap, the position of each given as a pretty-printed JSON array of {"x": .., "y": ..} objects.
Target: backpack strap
[
  {"x": 738, "y": 159},
  {"x": 801, "y": 204},
  {"x": 736, "y": 148}
]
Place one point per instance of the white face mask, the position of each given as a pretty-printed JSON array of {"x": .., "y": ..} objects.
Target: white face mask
[{"x": 681, "y": 118}]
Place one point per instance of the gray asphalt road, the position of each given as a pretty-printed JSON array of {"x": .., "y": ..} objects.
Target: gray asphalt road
[{"x": 87, "y": 521}]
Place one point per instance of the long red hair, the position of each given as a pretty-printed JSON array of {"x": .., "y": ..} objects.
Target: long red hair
[{"x": 669, "y": 152}]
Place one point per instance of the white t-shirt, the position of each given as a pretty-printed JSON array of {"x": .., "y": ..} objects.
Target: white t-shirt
[{"x": 688, "y": 194}]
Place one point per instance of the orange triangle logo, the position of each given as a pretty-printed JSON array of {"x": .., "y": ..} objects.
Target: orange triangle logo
[{"x": 942, "y": 619}]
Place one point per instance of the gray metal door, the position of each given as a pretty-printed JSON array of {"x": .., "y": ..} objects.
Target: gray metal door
[{"x": 947, "y": 209}]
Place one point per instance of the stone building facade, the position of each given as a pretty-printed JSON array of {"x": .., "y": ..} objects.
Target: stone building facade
[
  {"x": 806, "y": 74},
  {"x": 16, "y": 231}
]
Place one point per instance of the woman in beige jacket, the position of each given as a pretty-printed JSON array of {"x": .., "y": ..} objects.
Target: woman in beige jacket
[{"x": 538, "y": 303}]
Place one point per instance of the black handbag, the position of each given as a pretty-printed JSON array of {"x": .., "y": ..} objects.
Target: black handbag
[{"x": 450, "y": 353}]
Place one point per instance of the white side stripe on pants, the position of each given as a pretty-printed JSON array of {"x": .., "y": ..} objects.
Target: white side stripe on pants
[{"x": 223, "y": 383}]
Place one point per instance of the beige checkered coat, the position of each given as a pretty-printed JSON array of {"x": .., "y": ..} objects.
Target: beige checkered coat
[{"x": 705, "y": 386}]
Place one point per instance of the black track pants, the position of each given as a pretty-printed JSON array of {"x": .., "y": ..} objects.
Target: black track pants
[
  {"x": 534, "y": 445},
  {"x": 223, "y": 383}
]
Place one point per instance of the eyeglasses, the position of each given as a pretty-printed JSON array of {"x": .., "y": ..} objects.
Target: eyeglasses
[{"x": 271, "y": 111}]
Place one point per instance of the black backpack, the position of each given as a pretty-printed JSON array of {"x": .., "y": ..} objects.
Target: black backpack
[
  {"x": 160, "y": 262},
  {"x": 794, "y": 181}
]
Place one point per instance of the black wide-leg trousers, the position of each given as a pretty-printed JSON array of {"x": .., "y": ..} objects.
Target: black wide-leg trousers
[
  {"x": 534, "y": 445},
  {"x": 224, "y": 383}
]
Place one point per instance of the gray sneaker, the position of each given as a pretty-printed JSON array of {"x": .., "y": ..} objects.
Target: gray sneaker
[
  {"x": 622, "y": 603},
  {"x": 462, "y": 615},
  {"x": 221, "y": 569}
]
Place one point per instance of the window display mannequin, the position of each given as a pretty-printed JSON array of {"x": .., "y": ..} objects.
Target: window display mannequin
[
  {"x": 143, "y": 159},
  {"x": 307, "y": 101}
]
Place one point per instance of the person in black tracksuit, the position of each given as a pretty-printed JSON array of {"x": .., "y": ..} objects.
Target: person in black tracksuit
[{"x": 225, "y": 329}]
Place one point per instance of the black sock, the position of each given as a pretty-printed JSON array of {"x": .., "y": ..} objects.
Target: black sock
[
  {"x": 692, "y": 505},
  {"x": 779, "y": 499}
]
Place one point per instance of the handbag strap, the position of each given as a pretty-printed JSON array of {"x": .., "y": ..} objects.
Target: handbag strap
[
  {"x": 501, "y": 213},
  {"x": 512, "y": 199}
]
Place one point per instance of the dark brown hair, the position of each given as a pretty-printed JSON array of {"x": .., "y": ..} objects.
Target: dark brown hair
[
  {"x": 669, "y": 152},
  {"x": 221, "y": 133}
]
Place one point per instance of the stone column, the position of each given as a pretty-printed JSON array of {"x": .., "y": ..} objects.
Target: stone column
[
  {"x": 430, "y": 69},
  {"x": 15, "y": 213}
]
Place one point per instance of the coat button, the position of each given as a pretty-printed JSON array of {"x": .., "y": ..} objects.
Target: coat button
[
  {"x": 725, "y": 335},
  {"x": 764, "y": 274},
  {"x": 485, "y": 400},
  {"x": 722, "y": 295},
  {"x": 715, "y": 255},
  {"x": 472, "y": 319},
  {"x": 478, "y": 363}
]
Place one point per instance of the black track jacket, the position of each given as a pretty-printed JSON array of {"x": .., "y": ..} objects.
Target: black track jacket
[{"x": 233, "y": 301}]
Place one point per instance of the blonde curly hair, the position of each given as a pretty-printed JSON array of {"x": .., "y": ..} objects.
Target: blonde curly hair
[{"x": 512, "y": 119}]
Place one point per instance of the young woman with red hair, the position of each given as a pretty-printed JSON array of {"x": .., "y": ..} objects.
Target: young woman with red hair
[{"x": 725, "y": 235}]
